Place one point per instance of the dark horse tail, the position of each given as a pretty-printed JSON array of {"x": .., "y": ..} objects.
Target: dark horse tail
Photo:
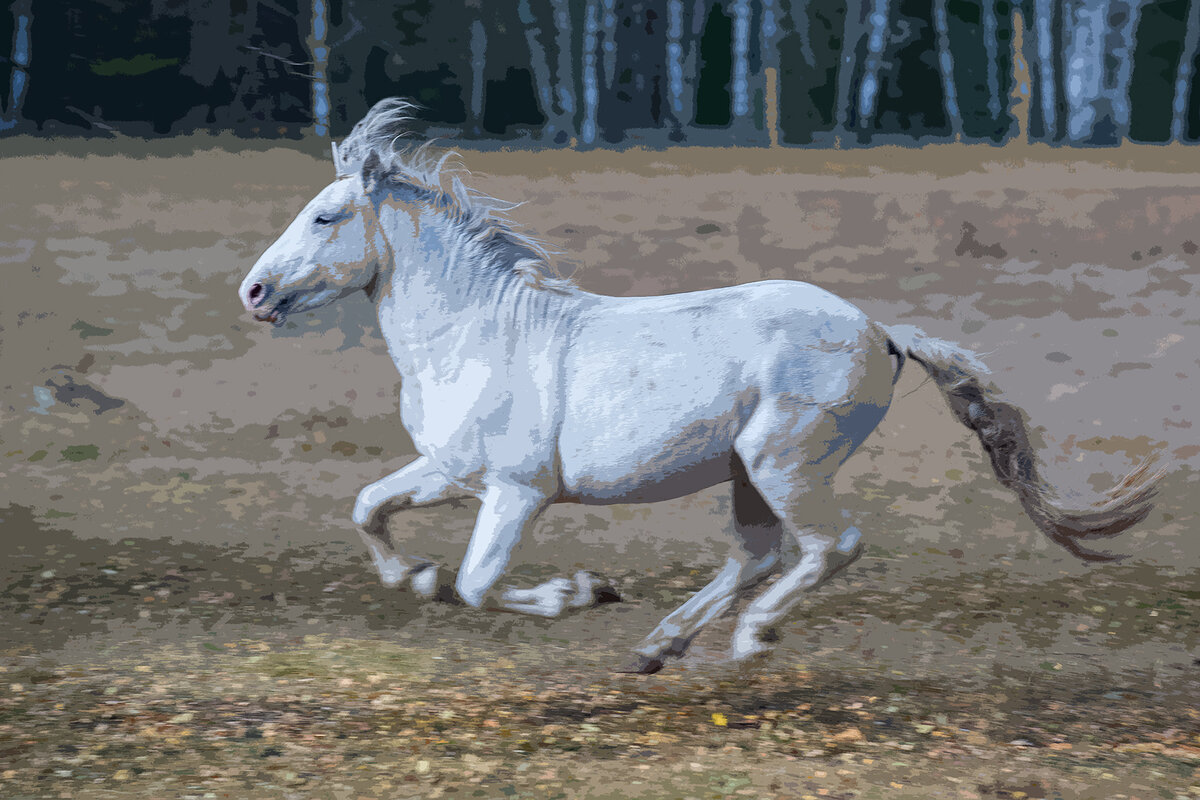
[{"x": 1004, "y": 434}]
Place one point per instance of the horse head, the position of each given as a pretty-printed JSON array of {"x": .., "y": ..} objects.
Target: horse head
[{"x": 331, "y": 249}]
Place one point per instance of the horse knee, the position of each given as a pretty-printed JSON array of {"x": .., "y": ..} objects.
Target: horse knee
[
  {"x": 365, "y": 504},
  {"x": 373, "y": 502}
]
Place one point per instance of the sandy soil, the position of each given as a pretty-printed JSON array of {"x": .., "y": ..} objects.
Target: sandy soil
[{"x": 173, "y": 475}]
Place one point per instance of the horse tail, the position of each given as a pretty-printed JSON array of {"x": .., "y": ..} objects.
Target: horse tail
[{"x": 1004, "y": 432}]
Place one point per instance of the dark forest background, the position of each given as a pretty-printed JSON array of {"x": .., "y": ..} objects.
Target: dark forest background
[{"x": 611, "y": 72}]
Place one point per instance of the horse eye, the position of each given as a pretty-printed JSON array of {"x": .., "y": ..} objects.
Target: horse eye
[{"x": 323, "y": 220}]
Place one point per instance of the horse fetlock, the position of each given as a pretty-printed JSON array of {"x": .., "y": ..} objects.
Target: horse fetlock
[
  {"x": 678, "y": 646},
  {"x": 470, "y": 592},
  {"x": 432, "y": 581},
  {"x": 843, "y": 556},
  {"x": 751, "y": 641}
]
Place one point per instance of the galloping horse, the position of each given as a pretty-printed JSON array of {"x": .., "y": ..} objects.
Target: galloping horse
[{"x": 521, "y": 390}]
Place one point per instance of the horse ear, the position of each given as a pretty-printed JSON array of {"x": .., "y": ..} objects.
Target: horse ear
[{"x": 371, "y": 172}]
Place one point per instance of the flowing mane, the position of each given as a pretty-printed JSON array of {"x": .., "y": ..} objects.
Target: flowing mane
[{"x": 477, "y": 217}]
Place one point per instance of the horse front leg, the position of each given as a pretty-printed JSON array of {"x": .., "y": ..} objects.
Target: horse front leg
[
  {"x": 506, "y": 514},
  {"x": 416, "y": 485}
]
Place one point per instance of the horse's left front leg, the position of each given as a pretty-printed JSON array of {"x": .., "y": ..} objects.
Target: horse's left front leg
[
  {"x": 506, "y": 514},
  {"x": 418, "y": 484}
]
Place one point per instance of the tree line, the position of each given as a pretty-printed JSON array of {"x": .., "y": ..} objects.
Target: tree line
[{"x": 612, "y": 72}]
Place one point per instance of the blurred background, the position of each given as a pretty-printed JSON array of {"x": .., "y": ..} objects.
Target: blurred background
[
  {"x": 186, "y": 599},
  {"x": 611, "y": 72}
]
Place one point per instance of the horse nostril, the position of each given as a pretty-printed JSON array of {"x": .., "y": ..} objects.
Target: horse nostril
[{"x": 256, "y": 294}]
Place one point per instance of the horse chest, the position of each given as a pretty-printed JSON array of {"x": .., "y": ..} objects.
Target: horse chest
[
  {"x": 475, "y": 421},
  {"x": 441, "y": 412}
]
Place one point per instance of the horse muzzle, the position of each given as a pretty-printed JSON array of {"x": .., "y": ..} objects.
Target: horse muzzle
[{"x": 255, "y": 299}]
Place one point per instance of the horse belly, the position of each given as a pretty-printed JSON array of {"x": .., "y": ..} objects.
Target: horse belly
[{"x": 644, "y": 446}]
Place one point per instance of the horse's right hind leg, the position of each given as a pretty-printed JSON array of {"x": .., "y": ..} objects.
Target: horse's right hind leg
[
  {"x": 759, "y": 534},
  {"x": 416, "y": 485},
  {"x": 819, "y": 542}
]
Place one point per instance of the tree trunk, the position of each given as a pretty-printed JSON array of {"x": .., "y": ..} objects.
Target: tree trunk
[
  {"x": 991, "y": 44},
  {"x": 1086, "y": 28},
  {"x": 1022, "y": 83},
  {"x": 675, "y": 64},
  {"x": 868, "y": 90},
  {"x": 741, "y": 59},
  {"x": 21, "y": 55},
  {"x": 852, "y": 33},
  {"x": 540, "y": 65},
  {"x": 798, "y": 12},
  {"x": 1185, "y": 72},
  {"x": 564, "y": 79},
  {"x": 478, "y": 61},
  {"x": 946, "y": 67},
  {"x": 1123, "y": 43},
  {"x": 320, "y": 58},
  {"x": 591, "y": 71},
  {"x": 608, "y": 43},
  {"x": 1043, "y": 32},
  {"x": 770, "y": 59}
]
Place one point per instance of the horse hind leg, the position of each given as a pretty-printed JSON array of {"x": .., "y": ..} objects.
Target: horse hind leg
[
  {"x": 759, "y": 534},
  {"x": 793, "y": 474}
]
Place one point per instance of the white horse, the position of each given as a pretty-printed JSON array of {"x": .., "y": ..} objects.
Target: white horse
[{"x": 521, "y": 390}]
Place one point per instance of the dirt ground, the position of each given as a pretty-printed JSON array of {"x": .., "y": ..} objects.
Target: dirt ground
[{"x": 188, "y": 613}]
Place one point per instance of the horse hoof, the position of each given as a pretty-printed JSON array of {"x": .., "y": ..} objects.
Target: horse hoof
[
  {"x": 642, "y": 665},
  {"x": 424, "y": 580},
  {"x": 591, "y": 592},
  {"x": 605, "y": 594}
]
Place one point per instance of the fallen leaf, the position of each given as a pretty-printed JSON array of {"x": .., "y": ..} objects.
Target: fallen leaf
[{"x": 848, "y": 735}]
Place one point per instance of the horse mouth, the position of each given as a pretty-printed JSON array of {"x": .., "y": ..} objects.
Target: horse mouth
[{"x": 275, "y": 315}]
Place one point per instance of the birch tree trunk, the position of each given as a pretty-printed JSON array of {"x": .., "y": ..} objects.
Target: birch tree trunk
[
  {"x": 852, "y": 33},
  {"x": 1086, "y": 27},
  {"x": 591, "y": 71},
  {"x": 608, "y": 43},
  {"x": 21, "y": 55},
  {"x": 1042, "y": 19},
  {"x": 991, "y": 44},
  {"x": 540, "y": 65},
  {"x": 802, "y": 25},
  {"x": 1185, "y": 73},
  {"x": 868, "y": 90},
  {"x": 478, "y": 46},
  {"x": 675, "y": 64},
  {"x": 1122, "y": 45},
  {"x": 946, "y": 67},
  {"x": 564, "y": 78},
  {"x": 320, "y": 57},
  {"x": 740, "y": 88}
]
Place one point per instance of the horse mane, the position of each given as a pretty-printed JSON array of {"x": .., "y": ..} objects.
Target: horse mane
[{"x": 478, "y": 217}]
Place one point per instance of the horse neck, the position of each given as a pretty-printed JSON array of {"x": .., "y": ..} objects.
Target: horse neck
[{"x": 446, "y": 292}]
